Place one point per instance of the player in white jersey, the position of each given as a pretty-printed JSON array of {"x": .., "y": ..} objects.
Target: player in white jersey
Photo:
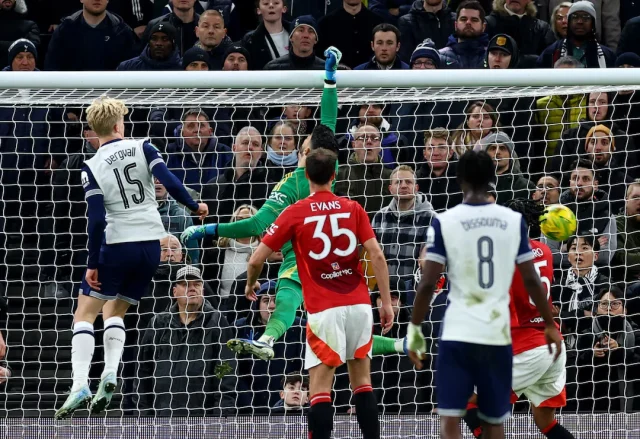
[
  {"x": 480, "y": 243},
  {"x": 124, "y": 229}
]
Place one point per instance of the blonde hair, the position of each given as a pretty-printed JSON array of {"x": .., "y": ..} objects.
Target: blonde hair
[
  {"x": 104, "y": 113},
  {"x": 224, "y": 242},
  {"x": 406, "y": 168},
  {"x": 553, "y": 16},
  {"x": 630, "y": 186}
]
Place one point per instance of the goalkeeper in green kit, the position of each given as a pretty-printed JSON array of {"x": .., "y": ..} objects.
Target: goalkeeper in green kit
[{"x": 292, "y": 188}]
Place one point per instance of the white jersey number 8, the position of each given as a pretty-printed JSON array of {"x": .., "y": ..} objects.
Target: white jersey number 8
[{"x": 335, "y": 232}]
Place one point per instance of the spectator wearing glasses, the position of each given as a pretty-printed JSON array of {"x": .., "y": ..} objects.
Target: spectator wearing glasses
[
  {"x": 609, "y": 356},
  {"x": 364, "y": 177},
  {"x": 425, "y": 56},
  {"x": 547, "y": 190},
  {"x": 581, "y": 42}
]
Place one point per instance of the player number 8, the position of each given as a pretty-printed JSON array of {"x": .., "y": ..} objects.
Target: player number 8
[{"x": 335, "y": 232}]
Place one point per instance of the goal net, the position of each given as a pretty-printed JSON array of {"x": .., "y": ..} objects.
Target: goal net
[{"x": 561, "y": 138}]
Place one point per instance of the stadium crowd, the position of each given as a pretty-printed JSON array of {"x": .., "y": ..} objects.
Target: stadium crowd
[{"x": 398, "y": 160}]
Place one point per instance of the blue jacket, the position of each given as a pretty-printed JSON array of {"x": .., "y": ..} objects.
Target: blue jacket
[
  {"x": 145, "y": 62},
  {"x": 196, "y": 168},
  {"x": 28, "y": 139},
  {"x": 465, "y": 55},
  {"x": 552, "y": 54},
  {"x": 76, "y": 46},
  {"x": 260, "y": 381},
  {"x": 398, "y": 64}
]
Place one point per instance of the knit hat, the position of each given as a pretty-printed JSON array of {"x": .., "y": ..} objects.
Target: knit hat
[
  {"x": 237, "y": 48},
  {"x": 426, "y": 49},
  {"x": 629, "y": 58},
  {"x": 267, "y": 287},
  {"x": 583, "y": 6},
  {"x": 22, "y": 45},
  {"x": 497, "y": 138},
  {"x": 195, "y": 54},
  {"x": 505, "y": 43},
  {"x": 305, "y": 20},
  {"x": 602, "y": 129},
  {"x": 166, "y": 28},
  {"x": 188, "y": 272}
]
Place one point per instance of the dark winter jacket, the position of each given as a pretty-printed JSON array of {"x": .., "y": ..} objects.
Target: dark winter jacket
[
  {"x": 166, "y": 123},
  {"x": 291, "y": 61},
  {"x": 418, "y": 25},
  {"x": 531, "y": 34},
  {"x": 179, "y": 366},
  {"x": 260, "y": 381},
  {"x": 627, "y": 256},
  {"x": 76, "y": 46},
  {"x": 366, "y": 183},
  {"x": 512, "y": 185},
  {"x": 464, "y": 55},
  {"x": 145, "y": 62},
  {"x": 196, "y": 168},
  {"x": 381, "y": 7},
  {"x": 398, "y": 64},
  {"x": 350, "y": 33},
  {"x": 317, "y": 8},
  {"x": 256, "y": 43},
  {"x": 185, "y": 32},
  {"x": 15, "y": 25},
  {"x": 224, "y": 194},
  {"x": 444, "y": 191},
  {"x": 552, "y": 54},
  {"x": 216, "y": 55},
  {"x": 629, "y": 37},
  {"x": 401, "y": 234}
]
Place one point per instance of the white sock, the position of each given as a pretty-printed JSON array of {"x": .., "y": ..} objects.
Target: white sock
[
  {"x": 82, "y": 345},
  {"x": 114, "y": 336},
  {"x": 398, "y": 345},
  {"x": 267, "y": 339}
]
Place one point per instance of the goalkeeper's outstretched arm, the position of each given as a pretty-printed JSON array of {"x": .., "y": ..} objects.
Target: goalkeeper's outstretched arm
[{"x": 285, "y": 192}]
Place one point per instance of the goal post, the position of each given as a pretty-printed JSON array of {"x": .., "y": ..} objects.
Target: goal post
[{"x": 548, "y": 117}]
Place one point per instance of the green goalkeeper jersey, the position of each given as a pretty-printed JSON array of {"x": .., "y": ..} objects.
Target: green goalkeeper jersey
[{"x": 292, "y": 188}]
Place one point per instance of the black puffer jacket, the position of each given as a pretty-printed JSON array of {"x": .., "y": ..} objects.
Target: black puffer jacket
[
  {"x": 256, "y": 43},
  {"x": 593, "y": 215},
  {"x": 419, "y": 25},
  {"x": 293, "y": 62},
  {"x": 531, "y": 34},
  {"x": 15, "y": 25}
]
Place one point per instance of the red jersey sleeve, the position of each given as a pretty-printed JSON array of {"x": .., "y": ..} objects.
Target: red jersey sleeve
[
  {"x": 281, "y": 231},
  {"x": 364, "y": 231}
]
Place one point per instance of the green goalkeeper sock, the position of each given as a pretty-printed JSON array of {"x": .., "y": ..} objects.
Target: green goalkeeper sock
[
  {"x": 385, "y": 345},
  {"x": 287, "y": 303}
]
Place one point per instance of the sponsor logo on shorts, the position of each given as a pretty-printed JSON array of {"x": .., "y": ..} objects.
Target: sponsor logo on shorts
[
  {"x": 336, "y": 274},
  {"x": 537, "y": 320}
]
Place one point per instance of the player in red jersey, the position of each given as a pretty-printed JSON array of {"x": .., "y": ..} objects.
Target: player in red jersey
[
  {"x": 535, "y": 373},
  {"x": 325, "y": 231}
]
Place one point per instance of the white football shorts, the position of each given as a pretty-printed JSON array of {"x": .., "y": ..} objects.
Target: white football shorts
[{"x": 539, "y": 378}]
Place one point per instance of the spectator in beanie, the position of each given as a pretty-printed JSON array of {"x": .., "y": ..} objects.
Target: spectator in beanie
[
  {"x": 607, "y": 24},
  {"x": 22, "y": 57},
  {"x": 502, "y": 53},
  {"x": 581, "y": 42},
  {"x": 467, "y": 46},
  {"x": 160, "y": 53},
  {"x": 90, "y": 39},
  {"x": 212, "y": 37},
  {"x": 427, "y": 19},
  {"x": 301, "y": 56},
  {"x": 196, "y": 59},
  {"x": 425, "y": 56},
  {"x": 560, "y": 20},
  {"x": 236, "y": 58},
  {"x": 517, "y": 18},
  {"x": 270, "y": 40},
  {"x": 629, "y": 37},
  {"x": 184, "y": 19},
  {"x": 385, "y": 45},
  {"x": 348, "y": 29},
  {"x": 14, "y": 24}
]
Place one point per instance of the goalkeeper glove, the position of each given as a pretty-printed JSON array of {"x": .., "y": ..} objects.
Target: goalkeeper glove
[
  {"x": 333, "y": 56},
  {"x": 198, "y": 232},
  {"x": 415, "y": 339}
]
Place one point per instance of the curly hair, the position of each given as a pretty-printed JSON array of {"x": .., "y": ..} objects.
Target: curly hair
[{"x": 530, "y": 211}]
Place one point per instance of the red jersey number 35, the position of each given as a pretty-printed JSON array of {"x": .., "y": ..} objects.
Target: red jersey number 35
[{"x": 336, "y": 232}]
